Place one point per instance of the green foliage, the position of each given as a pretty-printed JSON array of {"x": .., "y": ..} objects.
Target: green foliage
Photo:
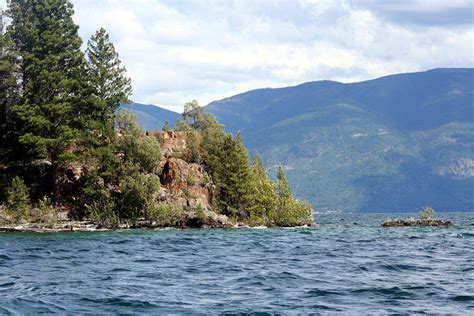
[
  {"x": 18, "y": 200},
  {"x": 103, "y": 212},
  {"x": 8, "y": 96},
  {"x": 166, "y": 215},
  {"x": 136, "y": 193},
  {"x": 200, "y": 214},
  {"x": 107, "y": 77},
  {"x": 181, "y": 126},
  {"x": 290, "y": 212},
  {"x": 263, "y": 197},
  {"x": 191, "y": 178},
  {"x": 283, "y": 187},
  {"x": 46, "y": 211},
  {"x": 46, "y": 41},
  {"x": 196, "y": 118},
  {"x": 427, "y": 213},
  {"x": 234, "y": 179},
  {"x": 166, "y": 126}
]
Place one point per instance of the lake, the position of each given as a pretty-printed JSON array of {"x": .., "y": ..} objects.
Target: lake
[{"x": 350, "y": 264}]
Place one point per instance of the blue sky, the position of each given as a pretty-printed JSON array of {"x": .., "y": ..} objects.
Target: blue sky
[{"x": 176, "y": 51}]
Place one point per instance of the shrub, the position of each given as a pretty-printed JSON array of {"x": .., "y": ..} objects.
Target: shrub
[
  {"x": 165, "y": 215},
  {"x": 427, "y": 213},
  {"x": 137, "y": 192},
  {"x": 293, "y": 213},
  {"x": 200, "y": 214},
  {"x": 18, "y": 200},
  {"x": 103, "y": 214},
  {"x": 191, "y": 178},
  {"x": 47, "y": 213}
]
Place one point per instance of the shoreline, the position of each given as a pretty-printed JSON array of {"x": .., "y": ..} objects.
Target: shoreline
[{"x": 87, "y": 226}]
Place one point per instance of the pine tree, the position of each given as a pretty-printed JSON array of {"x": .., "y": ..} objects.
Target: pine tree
[
  {"x": 8, "y": 94},
  {"x": 46, "y": 38},
  {"x": 166, "y": 126},
  {"x": 18, "y": 200},
  {"x": 283, "y": 187},
  {"x": 235, "y": 179},
  {"x": 108, "y": 80},
  {"x": 196, "y": 118},
  {"x": 263, "y": 199},
  {"x": 108, "y": 87},
  {"x": 290, "y": 211}
]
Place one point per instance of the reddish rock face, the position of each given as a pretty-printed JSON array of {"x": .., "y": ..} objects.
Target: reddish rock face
[
  {"x": 172, "y": 143},
  {"x": 185, "y": 184},
  {"x": 182, "y": 183}
]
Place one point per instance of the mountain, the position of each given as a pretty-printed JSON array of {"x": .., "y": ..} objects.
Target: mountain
[
  {"x": 394, "y": 143},
  {"x": 151, "y": 117}
]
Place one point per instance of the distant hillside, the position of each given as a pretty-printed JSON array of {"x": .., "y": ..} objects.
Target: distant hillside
[
  {"x": 390, "y": 144},
  {"x": 152, "y": 117}
]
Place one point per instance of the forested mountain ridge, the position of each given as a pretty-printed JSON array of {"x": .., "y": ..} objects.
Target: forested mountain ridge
[
  {"x": 388, "y": 144},
  {"x": 151, "y": 117}
]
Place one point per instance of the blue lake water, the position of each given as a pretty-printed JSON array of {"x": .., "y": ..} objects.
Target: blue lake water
[{"x": 348, "y": 265}]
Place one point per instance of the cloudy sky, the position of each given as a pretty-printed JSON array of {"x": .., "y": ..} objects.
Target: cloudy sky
[{"x": 179, "y": 50}]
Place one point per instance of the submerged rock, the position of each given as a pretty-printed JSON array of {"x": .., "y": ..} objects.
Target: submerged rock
[{"x": 412, "y": 222}]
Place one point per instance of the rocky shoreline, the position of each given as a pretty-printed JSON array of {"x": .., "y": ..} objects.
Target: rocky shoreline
[{"x": 212, "y": 221}]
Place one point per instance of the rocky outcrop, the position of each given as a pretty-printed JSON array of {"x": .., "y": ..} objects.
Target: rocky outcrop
[
  {"x": 173, "y": 144},
  {"x": 185, "y": 184},
  {"x": 412, "y": 222}
]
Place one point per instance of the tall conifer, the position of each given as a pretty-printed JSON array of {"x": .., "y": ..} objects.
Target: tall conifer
[
  {"x": 46, "y": 39},
  {"x": 8, "y": 92},
  {"x": 109, "y": 83}
]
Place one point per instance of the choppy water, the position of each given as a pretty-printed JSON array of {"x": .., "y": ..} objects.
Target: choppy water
[{"x": 347, "y": 265}]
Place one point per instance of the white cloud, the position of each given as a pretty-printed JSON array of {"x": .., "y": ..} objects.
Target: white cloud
[{"x": 176, "y": 51}]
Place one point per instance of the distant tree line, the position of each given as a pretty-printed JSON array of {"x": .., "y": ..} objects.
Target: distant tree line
[{"x": 59, "y": 112}]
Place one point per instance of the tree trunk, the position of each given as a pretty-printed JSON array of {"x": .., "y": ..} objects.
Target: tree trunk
[{"x": 54, "y": 179}]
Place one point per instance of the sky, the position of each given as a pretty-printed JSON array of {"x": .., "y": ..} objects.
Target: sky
[{"x": 179, "y": 50}]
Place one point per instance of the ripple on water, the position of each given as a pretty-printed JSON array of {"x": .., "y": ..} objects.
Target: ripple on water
[{"x": 340, "y": 268}]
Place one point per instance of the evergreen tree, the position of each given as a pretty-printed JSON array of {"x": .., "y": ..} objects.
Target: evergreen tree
[
  {"x": 234, "y": 181},
  {"x": 283, "y": 187},
  {"x": 45, "y": 37},
  {"x": 263, "y": 199},
  {"x": 108, "y": 81},
  {"x": 290, "y": 212},
  {"x": 166, "y": 126},
  {"x": 18, "y": 200},
  {"x": 8, "y": 94},
  {"x": 196, "y": 118},
  {"x": 108, "y": 87}
]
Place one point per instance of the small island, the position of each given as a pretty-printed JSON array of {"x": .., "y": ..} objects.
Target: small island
[
  {"x": 426, "y": 219},
  {"x": 71, "y": 158}
]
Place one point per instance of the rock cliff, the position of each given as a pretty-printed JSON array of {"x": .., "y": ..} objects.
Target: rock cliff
[{"x": 183, "y": 184}]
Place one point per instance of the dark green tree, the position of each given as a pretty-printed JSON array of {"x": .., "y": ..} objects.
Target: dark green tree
[
  {"x": 234, "y": 179},
  {"x": 290, "y": 211},
  {"x": 8, "y": 94},
  {"x": 283, "y": 187},
  {"x": 18, "y": 200},
  {"x": 195, "y": 116},
  {"x": 108, "y": 81},
  {"x": 166, "y": 126},
  {"x": 52, "y": 70},
  {"x": 263, "y": 198},
  {"x": 108, "y": 87}
]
